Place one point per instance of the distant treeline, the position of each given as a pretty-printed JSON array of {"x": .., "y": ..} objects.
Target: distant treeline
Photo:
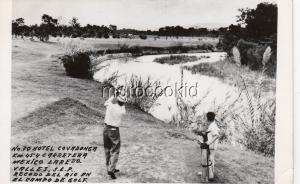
[
  {"x": 252, "y": 24},
  {"x": 51, "y": 27}
]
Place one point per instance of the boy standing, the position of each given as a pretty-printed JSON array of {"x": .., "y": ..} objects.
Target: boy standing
[
  {"x": 208, "y": 142},
  {"x": 115, "y": 110},
  {"x": 212, "y": 141}
]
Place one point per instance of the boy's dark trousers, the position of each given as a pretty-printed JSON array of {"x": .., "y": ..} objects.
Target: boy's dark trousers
[{"x": 112, "y": 144}]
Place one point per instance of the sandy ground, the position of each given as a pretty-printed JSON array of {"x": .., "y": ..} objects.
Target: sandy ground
[{"x": 50, "y": 108}]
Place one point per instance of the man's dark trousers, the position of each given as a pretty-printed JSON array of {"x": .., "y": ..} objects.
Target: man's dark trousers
[{"x": 112, "y": 144}]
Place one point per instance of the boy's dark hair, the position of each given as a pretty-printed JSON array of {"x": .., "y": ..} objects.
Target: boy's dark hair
[{"x": 210, "y": 116}]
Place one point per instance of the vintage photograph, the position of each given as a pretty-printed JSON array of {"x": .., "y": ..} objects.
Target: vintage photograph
[{"x": 134, "y": 91}]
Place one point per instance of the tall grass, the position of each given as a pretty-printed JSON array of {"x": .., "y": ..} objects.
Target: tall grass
[
  {"x": 137, "y": 94},
  {"x": 236, "y": 55},
  {"x": 248, "y": 121},
  {"x": 256, "y": 121},
  {"x": 72, "y": 47},
  {"x": 137, "y": 90}
]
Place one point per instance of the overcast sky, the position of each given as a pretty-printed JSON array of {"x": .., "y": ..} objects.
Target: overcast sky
[{"x": 139, "y": 14}]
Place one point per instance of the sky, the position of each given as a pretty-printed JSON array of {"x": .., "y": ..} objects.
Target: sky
[{"x": 137, "y": 14}]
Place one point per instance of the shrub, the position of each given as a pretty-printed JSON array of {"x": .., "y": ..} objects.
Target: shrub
[
  {"x": 86, "y": 35},
  {"x": 227, "y": 41},
  {"x": 176, "y": 59},
  {"x": 106, "y": 36},
  {"x": 137, "y": 95},
  {"x": 186, "y": 115},
  {"x": 206, "y": 46},
  {"x": 78, "y": 65},
  {"x": 123, "y": 46},
  {"x": 143, "y": 37},
  {"x": 209, "y": 69},
  {"x": 111, "y": 79},
  {"x": 116, "y": 36},
  {"x": 98, "y": 35},
  {"x": 136, "y": 51},
  {"x": 178, "y": 48},
  {"x": 251, "y": 54}
]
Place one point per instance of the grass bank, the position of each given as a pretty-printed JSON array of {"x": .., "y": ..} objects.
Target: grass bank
[{"x": 230, "y": 73}]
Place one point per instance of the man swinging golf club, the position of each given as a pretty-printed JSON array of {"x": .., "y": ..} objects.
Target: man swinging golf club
[{"x": 115, "y": 109}]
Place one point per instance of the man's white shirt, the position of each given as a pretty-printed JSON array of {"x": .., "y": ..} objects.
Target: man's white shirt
[
  {"x": 114, "y": 113},
  {"x": 213, "y": 130}
]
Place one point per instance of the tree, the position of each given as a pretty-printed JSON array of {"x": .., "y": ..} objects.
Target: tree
[
  {"x": 76, "y": 32},
  {"x": 74, "y": 23},
  {"x": 260, "y": 22},
  {"x": 235, "y": 29},
  {"x": 48, "y": 27},
  {"x": 18, "y": 27},
  {"x": 113, "y": 28}
]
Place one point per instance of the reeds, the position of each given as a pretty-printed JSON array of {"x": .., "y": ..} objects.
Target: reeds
[{"x": 247, "y": 121}]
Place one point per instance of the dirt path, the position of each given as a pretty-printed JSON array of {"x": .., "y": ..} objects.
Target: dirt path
[{"x": 50, "y": 108}]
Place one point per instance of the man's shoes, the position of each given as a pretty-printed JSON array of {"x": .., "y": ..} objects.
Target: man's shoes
[
  {"x": 112, "y": 175},
  {"x": 116, "y": 171},
  {"x": 211, "y": 179}
]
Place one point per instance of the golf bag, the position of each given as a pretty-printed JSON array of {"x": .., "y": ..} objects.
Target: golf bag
[{"x": 206, "y": 163}]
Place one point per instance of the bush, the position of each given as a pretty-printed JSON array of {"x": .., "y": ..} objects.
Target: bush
[
  {"x": 228, "y": 41},
  {"x": 209, "y": 69},
  {"x": 206, "y": 46},
  {"x": 143, "y": 37},
  {"x": 251, "y": 54},
  {"x": 137, "y": 94},
  {"x": 186, "y": 115},
  {"x": 136, "y": 51},
  {"x": 106, "y": 36},
  {"x": 178, "y": 48},
  {"x": 111, "y": 80},
  {"x": 175, "y": 59},
  {"x": 123, "y": 47},
  {"x": 98, "y": 35},
  {"x": 116, "y": 36},
  {"x": 78, "y": 65}
]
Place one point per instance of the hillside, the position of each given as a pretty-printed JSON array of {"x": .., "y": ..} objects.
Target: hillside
[{"x": 50, "y": 108}]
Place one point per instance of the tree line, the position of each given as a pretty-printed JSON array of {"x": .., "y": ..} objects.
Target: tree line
[
  {"x": 258, "y": 23},
  {"x": 51, "y": 27}
]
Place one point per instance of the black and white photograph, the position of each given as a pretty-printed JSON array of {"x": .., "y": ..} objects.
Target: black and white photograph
[{"x": 143, "y": 91}]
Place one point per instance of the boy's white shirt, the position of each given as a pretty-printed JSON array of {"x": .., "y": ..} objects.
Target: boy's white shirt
[
  {"x": 213, "y": 132},
  {"x": 114, "y": 113}
]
